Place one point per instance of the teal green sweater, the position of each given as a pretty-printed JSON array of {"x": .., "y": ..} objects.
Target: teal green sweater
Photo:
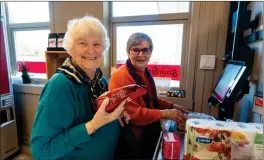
[{"x": 59, "y": 128}]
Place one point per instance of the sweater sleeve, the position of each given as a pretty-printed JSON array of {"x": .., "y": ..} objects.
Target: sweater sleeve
[
  {"x": 138, "y": 115},
  {"x": 53, "y": 134},
  {"x": 141, "y": 115},
  {"x": 164, "y": 104}
]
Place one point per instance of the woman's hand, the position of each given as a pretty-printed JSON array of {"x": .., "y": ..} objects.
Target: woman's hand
[
  {"x": 124, "y": 116},
  {"x": 181, "y": 108},
  {"x": 102, "y": 117},
  {"x": 174, "y": 114}
]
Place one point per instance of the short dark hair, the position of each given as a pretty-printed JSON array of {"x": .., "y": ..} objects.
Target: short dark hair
[{"x": 136, "y": 38}]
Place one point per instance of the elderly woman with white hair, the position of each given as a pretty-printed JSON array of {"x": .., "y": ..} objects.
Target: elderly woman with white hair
[{"x": 66, "y": 125}]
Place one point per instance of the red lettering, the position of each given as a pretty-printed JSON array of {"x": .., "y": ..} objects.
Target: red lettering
[{"x": 166, "y": 71}]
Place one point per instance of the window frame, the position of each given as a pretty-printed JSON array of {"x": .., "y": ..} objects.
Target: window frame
[
  {"x": 12, "y": 28},
  {"x": 172, "y": 18},
  {"x": 184, "y": 22}
]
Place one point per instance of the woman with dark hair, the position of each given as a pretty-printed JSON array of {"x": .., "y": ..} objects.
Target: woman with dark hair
[{"x": 139, "y": 138}]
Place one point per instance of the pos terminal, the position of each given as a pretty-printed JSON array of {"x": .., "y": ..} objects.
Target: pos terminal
[{"x": 230, "y": 88}]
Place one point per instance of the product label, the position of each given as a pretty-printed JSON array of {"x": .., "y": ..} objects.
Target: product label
[
  {"x": 60, "y": 41},
  {"x": 52, "y": 43},
  {"x": 169, "y": 137},
  {"x": 258, "y": 147},
  {"x": 203, "y": 140},
  {"x": 258, "y": 151}
]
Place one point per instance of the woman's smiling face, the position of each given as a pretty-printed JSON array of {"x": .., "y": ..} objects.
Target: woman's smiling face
[
  {"x": 87, "y": 52},
  {"x": 140, "y": 54}
]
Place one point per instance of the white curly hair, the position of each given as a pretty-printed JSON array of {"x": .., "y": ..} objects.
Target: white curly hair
[{"x": 85, "y": 26}]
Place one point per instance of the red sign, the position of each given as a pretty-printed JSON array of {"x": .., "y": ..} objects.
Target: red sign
[
  {"x": 259, "y": 102},
  {"x": 34, "y": 67},
  {"x": 168, "y": 71}
]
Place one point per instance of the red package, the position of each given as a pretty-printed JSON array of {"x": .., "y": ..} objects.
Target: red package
[
  {"x": 116, "y": 96},
  {"x": 171, "y": 146}
]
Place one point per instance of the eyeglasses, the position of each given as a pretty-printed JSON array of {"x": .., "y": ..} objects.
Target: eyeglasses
[{"x": 136, "y": 51}]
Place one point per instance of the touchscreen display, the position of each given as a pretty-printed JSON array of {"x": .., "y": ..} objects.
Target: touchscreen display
[{"x": 225, "y": 83}]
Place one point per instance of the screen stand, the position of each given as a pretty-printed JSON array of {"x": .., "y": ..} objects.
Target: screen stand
[{"x": 226, "y": 110}]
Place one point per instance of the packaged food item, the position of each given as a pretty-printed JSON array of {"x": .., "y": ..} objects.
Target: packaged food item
[
  {"x": 168, "y": 125},
  {"x": 207, "y": 139},
  {"x": 116, "y": 96},
  {"x": 178, "y": 93},
  {"x": 171, "y": 146},
  {"x": 195, "y": 115},
  {"x": 190, "y": 115},
  {"x": 258, "y": 126}
]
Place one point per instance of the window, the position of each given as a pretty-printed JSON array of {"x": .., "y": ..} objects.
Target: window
[
  {"x": 31, "y": 51},
  {"x": 28, "y": 12},
  {"x": 167, "y": 25},
  {"x": 171, "y": 45},
  {"x": 28, "y": 29},
  {"x": 121, "y": 9}
]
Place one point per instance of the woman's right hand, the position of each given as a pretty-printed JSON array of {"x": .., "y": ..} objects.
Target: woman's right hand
[{"x": 102, "y": 117}]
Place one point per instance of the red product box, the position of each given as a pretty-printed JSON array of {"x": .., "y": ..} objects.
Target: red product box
[
  {"x": 116, "y": 96},
  {"x": 171, "y": 146}
]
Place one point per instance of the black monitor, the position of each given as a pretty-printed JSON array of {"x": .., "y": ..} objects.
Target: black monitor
[{"x": 228, "y": 81}]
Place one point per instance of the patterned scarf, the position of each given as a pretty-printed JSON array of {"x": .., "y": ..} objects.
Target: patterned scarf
[
  {"x": 77, "y": 75},
  {"x": 132, "y": 70}
]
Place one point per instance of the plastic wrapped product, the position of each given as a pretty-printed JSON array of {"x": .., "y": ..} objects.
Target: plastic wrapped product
[
  {"x": 171, "y": 146},
  {"x": 116, "y": 96}
]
